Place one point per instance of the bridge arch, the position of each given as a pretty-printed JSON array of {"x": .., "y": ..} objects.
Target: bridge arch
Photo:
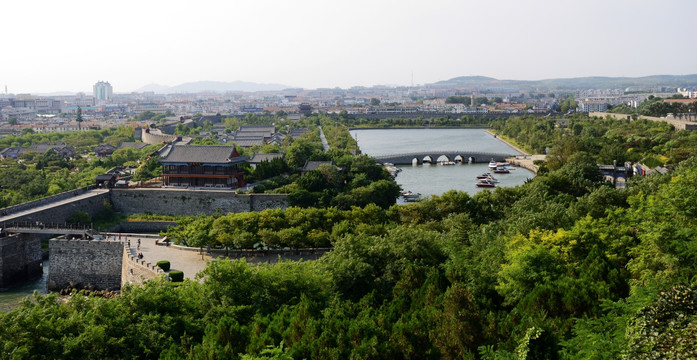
[
  {"x": 458, "y": 159},
  {"x": 442, "y": 158},
  {"x": 432, "y": 156}
]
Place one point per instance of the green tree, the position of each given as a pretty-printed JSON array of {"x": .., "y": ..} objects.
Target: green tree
[
  {"x": 568, "y": 104},
  {"x": 78, "y": 118}
]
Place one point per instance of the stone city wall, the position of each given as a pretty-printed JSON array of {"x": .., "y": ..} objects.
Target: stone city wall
[
  {"x": 136, "y": 271},
  {"x": 684, "y": 122},
  {"x": 145, "y": 227},
  {"x": 85, "y": 264},
  {"x": 44, "y": 201},
  {"x": 20, "y": 258},
  {"x": 58, "y": 214},
  {"x": 270, "y": 256},
  {"x": 192, "y": 202},
  {"x": 155, "y": 137}
]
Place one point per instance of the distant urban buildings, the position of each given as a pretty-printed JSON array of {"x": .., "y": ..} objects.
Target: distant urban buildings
[{"x": 103, "y": 92}]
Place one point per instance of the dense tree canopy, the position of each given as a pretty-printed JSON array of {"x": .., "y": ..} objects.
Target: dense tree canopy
[{"x": 563, "y": 266}]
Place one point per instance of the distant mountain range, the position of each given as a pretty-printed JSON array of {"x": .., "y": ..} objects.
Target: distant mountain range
[
  {"x": 594, "y": 82},
  {"x": 212, "y": 86},
  {"x": 471, "y": 82}
]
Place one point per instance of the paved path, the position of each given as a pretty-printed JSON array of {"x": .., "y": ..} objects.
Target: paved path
[
  {"x": 325, "y": 144},
  {"x": 190, "y": 262},
  {"x": 13, "y": 216},
  {"x": 527, "y": 161}
]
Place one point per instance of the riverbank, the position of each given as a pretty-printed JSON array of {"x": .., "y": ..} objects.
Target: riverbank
[
  {"x": 418, "y": 127},
  {"x": 526, "y": 161},
  {"x": 497, "y": 137}
]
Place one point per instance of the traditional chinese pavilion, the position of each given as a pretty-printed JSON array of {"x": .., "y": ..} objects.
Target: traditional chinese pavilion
[{"x": 203, "y": 166}]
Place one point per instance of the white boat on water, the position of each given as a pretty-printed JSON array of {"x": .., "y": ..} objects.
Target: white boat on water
[
  {"x": 492, "y": 164},
  {"x": 410, "y": 196},
  {"x": 489, "y": 179},
  {"x": 483, "y": 183}
]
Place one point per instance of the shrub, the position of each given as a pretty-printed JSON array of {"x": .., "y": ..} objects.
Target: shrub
[
  {"x": 163, "y": 264},
  {"x": 176, "y": 275}
]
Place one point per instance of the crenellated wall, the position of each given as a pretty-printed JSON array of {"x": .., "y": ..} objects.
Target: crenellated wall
[
  {"x": 192, "y": 202},
  {"x": 156, "y": 137},
  {"x": 136, "y": 271}
]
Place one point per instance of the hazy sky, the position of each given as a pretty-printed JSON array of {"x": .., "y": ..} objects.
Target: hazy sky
[{"x": 69, "y": 45}]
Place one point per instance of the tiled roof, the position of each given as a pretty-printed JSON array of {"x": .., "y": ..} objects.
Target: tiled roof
[
  {"x": 314, "y": 165},
  {"x": 203, "y": 154},
  {"x": 249, "y": 142},
  {"x": 257, "y": 128},
  {"x": 252, "y": 134},
  {"x": 258, "y": 158}
]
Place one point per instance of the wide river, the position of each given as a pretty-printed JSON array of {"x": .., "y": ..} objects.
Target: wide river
[{"x": 436, "y": 179}]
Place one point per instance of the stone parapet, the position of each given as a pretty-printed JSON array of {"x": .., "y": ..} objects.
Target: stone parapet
[{"x": 137, "y": 271}]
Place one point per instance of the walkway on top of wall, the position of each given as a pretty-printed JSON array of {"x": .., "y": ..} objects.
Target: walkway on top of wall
[
  {"x": 9, "y": 218},
  {"x": 190, "y": 262}
]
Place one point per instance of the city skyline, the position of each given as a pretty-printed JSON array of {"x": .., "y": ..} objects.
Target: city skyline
[{"x": 340, "y": 44}]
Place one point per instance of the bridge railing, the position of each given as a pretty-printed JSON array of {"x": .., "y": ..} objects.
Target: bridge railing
[
  {"x": 443, "y": 152},
  {"x": 18, "y": 225},
  {"x": 43, "y": 201}
]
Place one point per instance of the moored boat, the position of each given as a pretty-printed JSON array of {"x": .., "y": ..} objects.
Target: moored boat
[
  {"x": 484, "y": 183},
  {"x": 410, "y": 196},
  {"x": 484, "y": 175},
  {"x": 501, "y": 170},
  {"x": 492, "y": 164},
  {"x": 491, "y": 179}
]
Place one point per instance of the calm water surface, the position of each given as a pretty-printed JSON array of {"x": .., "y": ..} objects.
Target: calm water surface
[
  {"x": 10, "y": 298},
  {"x": 437, "y": 179}
]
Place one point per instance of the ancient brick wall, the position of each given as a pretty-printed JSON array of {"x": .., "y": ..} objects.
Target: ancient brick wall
[
  {"x": 191, "y": 202},
  {"x": 136, "y": 271},
  {"x": 59, "y": 213},
  {"x": 85, "y": 264}
]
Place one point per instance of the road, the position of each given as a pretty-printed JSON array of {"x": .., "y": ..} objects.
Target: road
[{"x": 325, "y": 144}]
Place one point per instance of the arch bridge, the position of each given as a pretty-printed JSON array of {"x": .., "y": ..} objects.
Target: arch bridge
[{"x": 463, "y": 156}]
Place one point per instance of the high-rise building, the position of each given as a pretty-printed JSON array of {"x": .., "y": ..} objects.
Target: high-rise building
[{"x": 103, "y": 91}]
